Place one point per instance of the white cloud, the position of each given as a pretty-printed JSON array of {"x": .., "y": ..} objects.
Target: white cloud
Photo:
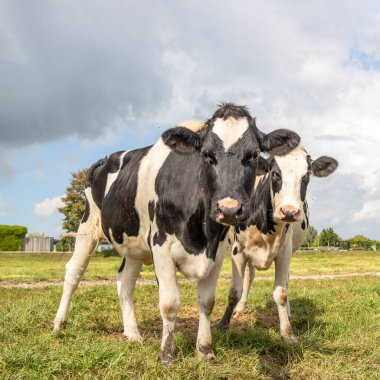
[
  {"x": 370, "y": 211},
  {"x": 55, "y": 231},
  {"x": 48, "y": 207}
]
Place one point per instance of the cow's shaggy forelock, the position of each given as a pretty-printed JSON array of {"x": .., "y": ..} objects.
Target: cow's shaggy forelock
[{"x": 227, "y": 110}]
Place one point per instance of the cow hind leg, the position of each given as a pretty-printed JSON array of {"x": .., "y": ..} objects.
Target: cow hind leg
[
  {"x": 88, "y": 239},
  {"x": 249, "y": 275},
  {"x": 238, "y": 268},
  {"x": 126, "y": 281}
]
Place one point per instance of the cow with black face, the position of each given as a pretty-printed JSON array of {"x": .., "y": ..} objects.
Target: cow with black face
[
  {"x": 170, "y": 204},
  {"x": 275, "y": 229}
]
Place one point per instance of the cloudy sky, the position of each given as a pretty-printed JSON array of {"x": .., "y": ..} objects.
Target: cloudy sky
[{"x": 81, "y": 79}]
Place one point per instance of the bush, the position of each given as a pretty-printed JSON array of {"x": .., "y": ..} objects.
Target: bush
[
  {"x": 108, "y": 253},
  {"x": 11, "y": 237}
]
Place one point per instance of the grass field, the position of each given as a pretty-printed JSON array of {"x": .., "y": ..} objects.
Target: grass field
[
  {"x": 21, "y": 267},
  {"x": 338, "y": 322}
]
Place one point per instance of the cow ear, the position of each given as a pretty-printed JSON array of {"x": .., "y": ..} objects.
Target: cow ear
[
  {"x": 279, "y": 142},
  {"x": 182, "y": 140},
  {"x": 323, "y": 166}
]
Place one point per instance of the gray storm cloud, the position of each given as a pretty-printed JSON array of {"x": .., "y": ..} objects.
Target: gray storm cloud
[
  {"x": 76, "y": 68},
  {"x": 82, "y": 67}
]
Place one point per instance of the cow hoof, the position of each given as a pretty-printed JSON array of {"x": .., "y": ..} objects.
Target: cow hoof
[
  {"x": 133, "y": 336},
  {"x": 237, "y": 313},
  {"x": 290, "y": 338},
  {"x": 58, "y": 325},
  {"x": 210, "y": 357},
  {"x": 222, "y": 325},
  {"x": 167, "y": 355},
  {"x": 205, "y": 353}
]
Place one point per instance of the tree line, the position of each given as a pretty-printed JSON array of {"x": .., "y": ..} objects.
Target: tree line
[{"x": 329, "y": 238}]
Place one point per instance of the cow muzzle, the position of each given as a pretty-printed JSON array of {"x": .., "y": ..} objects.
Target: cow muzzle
[
  {"x": 289, "y": 214},
  {"x": 229, "y": 211}
]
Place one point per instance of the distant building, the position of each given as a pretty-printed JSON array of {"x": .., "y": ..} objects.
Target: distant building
[{"x": 38, "y": 244}]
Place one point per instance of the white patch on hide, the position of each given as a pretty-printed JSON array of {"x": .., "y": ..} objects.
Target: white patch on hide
[{"x": 112, "y": 176}]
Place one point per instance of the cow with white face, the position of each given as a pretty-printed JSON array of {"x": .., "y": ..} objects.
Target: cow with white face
[
  {"x": 170, "y": 205},
  {"x": 275, "y": 229}
]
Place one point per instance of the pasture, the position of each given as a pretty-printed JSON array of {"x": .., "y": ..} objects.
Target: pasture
[
  {"x": 36, "y": 267},
  {"x": 337, "y": 320}
]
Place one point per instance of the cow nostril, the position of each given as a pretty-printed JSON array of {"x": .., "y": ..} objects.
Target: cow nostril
[
  {"x": 229, "y": 214},
  {"x": 289, "y": 213}
]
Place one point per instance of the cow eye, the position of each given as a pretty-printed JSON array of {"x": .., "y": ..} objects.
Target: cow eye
[
  {"x": 306, "y": 177},
  {"x": 249, "y": 158},
  {"x": 209, "y": 157}
]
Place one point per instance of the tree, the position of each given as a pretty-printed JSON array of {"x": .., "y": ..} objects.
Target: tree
[
  {"x": 310, "y": 236},
  {"x": 329, "y": 238},
  {"x": 36, "y": 234},
  {"x": 65, "y": 245},
  {"x": 75, "y": 201},
  {"x": 361, "y": 241}
]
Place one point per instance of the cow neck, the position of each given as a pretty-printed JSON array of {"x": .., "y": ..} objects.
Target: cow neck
[
  {"x": 183, "y": 207},
  {"x": 215, "y": 233}
]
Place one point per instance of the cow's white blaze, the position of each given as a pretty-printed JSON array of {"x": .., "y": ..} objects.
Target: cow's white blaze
[
  {"x": 230, "y": 130},
  {"x": 294, "y": 167}
]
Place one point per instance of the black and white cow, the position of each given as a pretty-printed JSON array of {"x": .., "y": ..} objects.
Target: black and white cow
[
  {"x": 281, "y": 216},
  {"x": 170, "y": 204}
]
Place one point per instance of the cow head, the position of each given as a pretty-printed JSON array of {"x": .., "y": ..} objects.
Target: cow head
[
  {"x": 289, "y": 177},
  {"x": 229, "y": 146}
]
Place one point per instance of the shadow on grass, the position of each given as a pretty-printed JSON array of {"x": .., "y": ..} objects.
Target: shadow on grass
[
  {"x": 255, "y": 333},
  {"x": 258, "y": 332}
]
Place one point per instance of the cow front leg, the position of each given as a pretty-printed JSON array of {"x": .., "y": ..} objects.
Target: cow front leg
[
  {"x": 206, "y": 300},
  {"x": 169, "y": 300},
  {"x": 280, "y": 294},
  {"x": 236, "y": 288},
  {"x": 249, "y": 276},
  {"x": 86, "y": 243},
  {"x": 126, "y": 281}
]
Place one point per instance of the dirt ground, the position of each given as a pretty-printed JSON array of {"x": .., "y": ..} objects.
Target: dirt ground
[{"x": 141, "y": 281}]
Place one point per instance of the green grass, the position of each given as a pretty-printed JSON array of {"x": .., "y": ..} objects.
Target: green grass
[
  {"x": 337, "y": 322},
  {"x": 21, "y": 267}
]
